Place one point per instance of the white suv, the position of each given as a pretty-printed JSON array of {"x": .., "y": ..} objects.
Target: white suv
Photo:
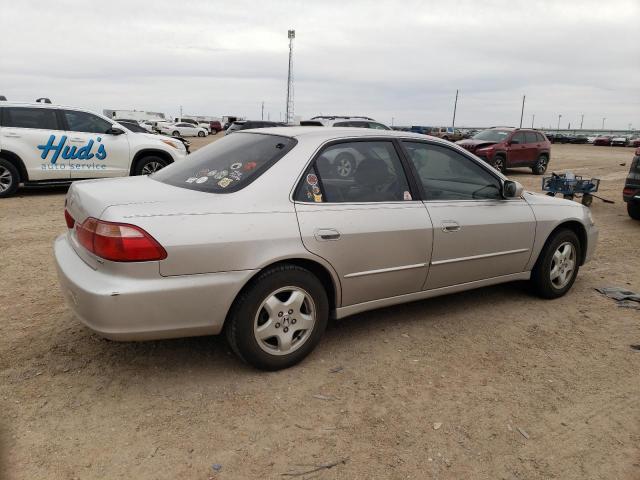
[
  {"x": 49, "y": 144},
  {"x": 337, "y": 121}
]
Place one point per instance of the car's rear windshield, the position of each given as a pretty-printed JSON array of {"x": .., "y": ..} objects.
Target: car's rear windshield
[
  {"x": 227, "y": 165},
  {"x": 492, "y": 135}
]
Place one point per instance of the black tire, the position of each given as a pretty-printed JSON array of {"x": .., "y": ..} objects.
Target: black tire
[
  {"x": 567, "y": 196},
  {"x": 239, "y": 327},
  {"x": 541, "y": 165},
  {"x": 201, "y": 134},
  {"x": 541, "y": 274},
  {"x": 175, "y": 134},
  {"x": 9, "y": 178},
  {"x": 499, "y": 163},
  {"x": 149, "y": 164},
  {"x": 633, "y": 209}
]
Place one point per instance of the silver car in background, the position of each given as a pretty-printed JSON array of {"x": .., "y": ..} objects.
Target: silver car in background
[{"x": 258, "y": 236}]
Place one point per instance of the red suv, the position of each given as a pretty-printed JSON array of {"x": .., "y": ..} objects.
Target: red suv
[{"x": 511, "y": 147}]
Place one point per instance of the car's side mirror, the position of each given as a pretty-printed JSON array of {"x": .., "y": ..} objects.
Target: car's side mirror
[
  {"x": 511, "y": 189},
  {"x": 114, "y": 131}
]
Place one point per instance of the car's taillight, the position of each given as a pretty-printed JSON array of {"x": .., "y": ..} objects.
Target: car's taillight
[
  {"x": 118, "y": 242},
  {"x": 69, "y": 219},
  {"x": 628, "y": 191}
]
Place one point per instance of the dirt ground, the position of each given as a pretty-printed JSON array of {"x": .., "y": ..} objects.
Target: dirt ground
[{"x": 488, "y": 384}]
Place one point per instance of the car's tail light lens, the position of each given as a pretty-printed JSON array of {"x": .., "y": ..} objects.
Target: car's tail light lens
[
  {"x": 118, "y": 242},
  {"x": 629, "y": 191},
  {"x": 68, "y": 218}
]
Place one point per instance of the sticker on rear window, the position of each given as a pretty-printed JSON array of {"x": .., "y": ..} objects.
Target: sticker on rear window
[
  {"x": 225, "y": 182},
  {"x": 312, "y": 179},
  {"x": 235, "y": 166}
]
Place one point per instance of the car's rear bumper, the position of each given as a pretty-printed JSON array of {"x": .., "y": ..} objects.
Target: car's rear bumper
[{"x": 126, "y": 308}]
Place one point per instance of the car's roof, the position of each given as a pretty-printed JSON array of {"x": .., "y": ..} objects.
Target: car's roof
[
  {"x": 336, "y": 133},
  {"x": 39, "y": 104}
]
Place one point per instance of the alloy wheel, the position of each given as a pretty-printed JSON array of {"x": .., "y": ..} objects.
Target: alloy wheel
[
  {"x": 344, "y": 167},
  {"x": 563, "y": 263},
  {"x": 151, "y": 167},
  {"x": 284, "y": 321},
  {"x": 6, "y": 179}
]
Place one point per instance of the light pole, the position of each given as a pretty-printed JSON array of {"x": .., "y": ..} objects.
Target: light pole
[
  {"x": 392, "y": 118},
  {"x": 533, "y": 119},
  {"x": 558, "y": 129},
  {"x": 603, "y": 119},
  {"x": 522, "y": 111},
  {"x": 291, "y": 34},
  {"x": 581, "y": 120},
  {"x": 455, "y": 106}
]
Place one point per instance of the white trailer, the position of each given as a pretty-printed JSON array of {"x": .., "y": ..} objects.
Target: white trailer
[{"x": 139, "y": 115}]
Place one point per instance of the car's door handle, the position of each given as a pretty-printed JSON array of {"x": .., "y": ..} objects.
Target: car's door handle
[
  {"x": 12, "y": 134},
  {"x": 323, "y": 234},
  {"x": 76, "y": 139},
  {"x": 450, "y": 226}
]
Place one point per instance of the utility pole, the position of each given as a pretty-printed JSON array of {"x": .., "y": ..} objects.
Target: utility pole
[
  {"x": 522, "y": 111},
  {"x": 603, "y": 119},
  {"x": 581, "y": 120},
  {"x": 392, "y": 121},
  {"x": 533, "y": 119},
  {"x": 558, "y": 129},
  {"x": 180, "y": 119},
  {"x": 262, "y": 111},
  {"x": 455, "y": 106},
  {"x": 291, "y": 34}
]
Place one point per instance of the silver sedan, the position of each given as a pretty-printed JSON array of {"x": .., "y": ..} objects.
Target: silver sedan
[{"x": 263, "y": 236}]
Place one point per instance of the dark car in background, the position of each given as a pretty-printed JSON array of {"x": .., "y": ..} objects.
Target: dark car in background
[
  {"x": 603, "y": 140},
  {"x": 247, "y": 124},
  {"x": 634, "y": 142},
  {"x": 215, "y": 126},
  {"x": 511, "y": 147},
  {"x": 579, "y": 139},
  {"x": 631, "y": 191},
  {"x": 420, "y": 129}
]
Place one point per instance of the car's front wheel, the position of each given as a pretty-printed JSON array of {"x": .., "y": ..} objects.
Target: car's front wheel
[
  {"x": 149, "y": 165},
  {"x": 633, "y": 209},
  {"x": 9, "y": 178},
  {"x": 201, "y": 133},
  {"x": 176, "y": 133},
  {"x": 499, "y": 163},
  {"x": 541, "y": 165},
  {"x": 279, "y": 318},
  {"x": 557, "y": 266}
]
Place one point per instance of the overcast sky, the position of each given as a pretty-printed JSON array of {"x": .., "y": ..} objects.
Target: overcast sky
[{"x": 385, "y": 59}]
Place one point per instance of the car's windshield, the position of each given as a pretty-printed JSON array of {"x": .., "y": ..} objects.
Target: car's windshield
[
  {"x": 492, "y": 135},
  {"x": 228, "y": 164}
]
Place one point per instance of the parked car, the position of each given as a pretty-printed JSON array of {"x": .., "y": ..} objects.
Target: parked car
[
  {"x": 504, "y": 148},
  {"x": 183, "y": 130},
  {"x": 215, "y": 126},
  {"x": 591, "y": 139},
  {"x": 631, "y": 191},
  {"x": 619, "y": 141},
  {"x": 634, "y": 142},
  {"x": 579, "y": 139},
  {"x": 446, "y": 133},
  {"x": 42, "y": 143},
  {"x": 206, "y": 126},
  {"x": 247, "y": 124},
  {"x": 420, "y": 129},
  {"x": 252, "y": 237},
  {"x": 344, "y": 121},
  {"x": 603, "y": 140}
]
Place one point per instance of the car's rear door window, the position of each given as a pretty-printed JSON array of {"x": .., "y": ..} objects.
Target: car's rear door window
[
  {"x": 518, "y": 138},
  {"x": 37, "y": 118},
  {"x": 531, "y": 137},
  {"x": 354, "y": 172},
  {"x": 228, "y": 164}
]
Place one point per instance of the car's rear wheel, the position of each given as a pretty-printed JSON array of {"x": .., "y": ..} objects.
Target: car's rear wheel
[
  {"x": 201, "y": 134},
  {"x": 176, "y": 133},
  {"x": 279, "y": 318},
  {"x": 345, "y": 164},
  {"x": 9, "y": 178},
  {"x": 557, "y": 266},
  {"x": 541, "y": 165},
  {"x": 633, "y": 209},
  {"x": 149, "y": 165},
  {"x": 499, "y": 163}
]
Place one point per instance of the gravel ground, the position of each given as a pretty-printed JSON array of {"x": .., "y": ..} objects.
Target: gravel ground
[{"x": 487, "y": 384}]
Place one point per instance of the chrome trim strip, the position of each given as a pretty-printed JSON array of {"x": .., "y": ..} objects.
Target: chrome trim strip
[
  {"x": 345, "y": 311},
  {"x": 478, "y": 257},
  {"x": 384, "y": 270}
]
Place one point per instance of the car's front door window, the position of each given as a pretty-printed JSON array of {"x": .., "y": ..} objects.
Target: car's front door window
[
  {"x": 86, "y": 122},
  {"x": 448, "y": 175},
  {"x": 356, "y": 172}
]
